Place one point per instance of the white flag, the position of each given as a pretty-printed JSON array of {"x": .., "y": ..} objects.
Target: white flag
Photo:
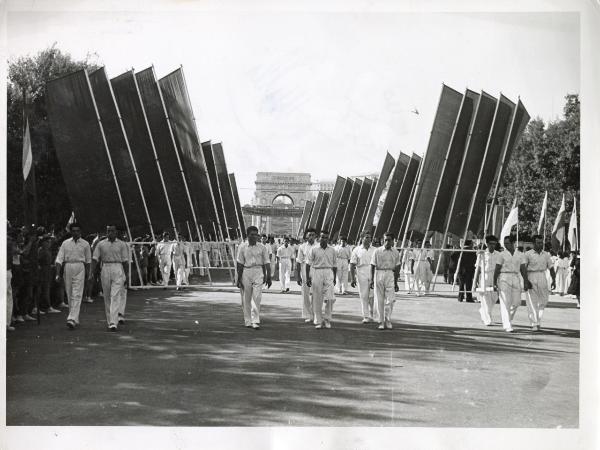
[
  {"x": 543, "y": 213},
  {"x": 27, "y": 154},
  {"x": 559, "y": 230},
  {"x": 511, "y": 221},
  {"x": 70, "y": 221},
  {"x": 573, "y": 234}
]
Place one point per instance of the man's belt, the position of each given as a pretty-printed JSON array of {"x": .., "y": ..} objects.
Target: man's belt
[
  {"x": 533, "y": 271},
  {"x": 317, "y": 268},
  {"x": 74, "y": 262},
  {"x": 112, "y": 262}
]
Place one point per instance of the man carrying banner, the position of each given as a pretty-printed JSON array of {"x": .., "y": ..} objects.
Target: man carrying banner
[
  {"x": 285, "y": 254},
  {"x": 343, "y": 253},
  {"x": 385, "y": 264},
  {"x": 360, "y": 270},
  {"x": 72, "y": 264},
  {"x": 308, "y": 313},
  {"x": 253, "y": 270},
  {"x": 113, "y": 254},
  {"x": 537, "y": 261},
  {"x": 484, "y": 278},
  {"x": 322, "y": 260}
]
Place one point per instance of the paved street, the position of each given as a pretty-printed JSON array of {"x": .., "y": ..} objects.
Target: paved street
[{"x": 185, "y": 359}]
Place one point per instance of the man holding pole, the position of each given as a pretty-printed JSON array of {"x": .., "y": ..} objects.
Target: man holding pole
[
  {"x": 536, "y": 284},
  {"x": 385, "y": 265},
  {"x": 360, "y": 270},
  {"x": 484, "y": 279}
]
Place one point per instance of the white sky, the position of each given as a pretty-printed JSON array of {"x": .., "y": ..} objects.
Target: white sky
[{"x": 325, "y": 93}]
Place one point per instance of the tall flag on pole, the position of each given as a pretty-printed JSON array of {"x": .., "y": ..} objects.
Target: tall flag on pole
[
  {"x": 543, "y": 213},
  {"x": 573, "y": 234},
  {"x": 558, "y": 231},
  {"x": 27, "y": 159},
  {"x": 511, "y": 221},
  {"x": 70, "y": 221}
]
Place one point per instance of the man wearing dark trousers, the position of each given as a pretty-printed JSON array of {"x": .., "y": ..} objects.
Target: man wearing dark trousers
[{"x": 466, "y": 272}]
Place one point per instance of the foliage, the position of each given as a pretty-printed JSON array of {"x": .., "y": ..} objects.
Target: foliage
[
  {"x": 546, "y": 158},
  {"x": 27, "y": 77}
]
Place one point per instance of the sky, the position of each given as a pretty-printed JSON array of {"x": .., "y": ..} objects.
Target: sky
[{"x": 322, "y": 92}]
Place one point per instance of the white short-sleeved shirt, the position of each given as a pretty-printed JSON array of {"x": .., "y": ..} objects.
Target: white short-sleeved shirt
[
  {"x": 111, "y": 252},
  {"x": 538, "y": 262},
  {"x": 252, "y": 255},
  {"x": 321, "y": 258},
  {"x": 303, "y": 251},
  {"x": 71, "y": 251},
  {"x": 511, "y": 263},
  {"x": 343, "y": 252},
  {"x": 486, "y": 262},
  {"x": 163, "y": 249},
  {"x": 384, "y": 259},
  {"x": 422, "y": 254},
  {"x": 361, "y": 256},
  {"x": 285, "y": 252}
]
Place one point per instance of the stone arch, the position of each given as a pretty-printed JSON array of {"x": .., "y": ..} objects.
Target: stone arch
[{"x": 283, "y": 195}]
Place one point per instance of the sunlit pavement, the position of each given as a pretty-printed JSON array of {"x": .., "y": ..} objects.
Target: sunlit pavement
[{"x": 184, "y": 358}]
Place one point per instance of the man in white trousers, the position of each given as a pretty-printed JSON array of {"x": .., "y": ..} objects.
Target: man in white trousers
[
  {"x": 507, "y": 282},
  {"x": 321, "y": 260},
  {"x": 113, "y": 254},
  {"x": 360, "y": 270},
  {"x": 179, "y": 263},
  {"x": 163, "y": 253},
  {"x": 253, "y": 270},
  {"x": 188, "y": 250},
  {"x": 484, "y": 278},
  {"x": 385, "y": 265},
  {"x": 407, "y": 263},
  {"x": 285, "y": 254},
  {"x": 421, "y": 267},
  {"x": 72, "y": 265},
  {"x": 308, "y": 313},
  {"x": 537, "y": 262},
  {"x": 343, "y": 254}
]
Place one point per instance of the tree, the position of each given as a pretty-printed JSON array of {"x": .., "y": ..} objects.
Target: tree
[
  {"x": 546, "y": 158},
  {"x": 27, "y": 77}
]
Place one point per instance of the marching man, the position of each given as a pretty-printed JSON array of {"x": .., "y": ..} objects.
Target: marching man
[
  {"x": 178, "y": 256},
  {"x": 422, "y": 259},
  {"x": 73, "y": 263},
  {"x": 407, "y": 263},
  {"x": 385, "y": 266},
  {"x": 510, "y": 263},
  {"x": 253, "y": 270},
  {"x": 484, "y": 278},
  {"x": 360, "y": 270},
  {"x": 285, "y": 254},
  {"x": 113, "y": 254},
  {"x": 343, "y": 254},
  {"x": 322, "y": 260},
  {"x": 537, "y": 261},
  {"x": 163, "y": 252},
  {"x": 308, "y": 313}
]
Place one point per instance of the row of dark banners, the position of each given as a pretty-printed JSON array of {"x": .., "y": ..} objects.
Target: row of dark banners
[
  {"x": 131, "y": 156},
  {"x": 447, "y": 191}
]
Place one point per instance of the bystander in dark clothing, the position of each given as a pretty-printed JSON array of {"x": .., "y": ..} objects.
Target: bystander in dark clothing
[{"x": 466, "y": 271}]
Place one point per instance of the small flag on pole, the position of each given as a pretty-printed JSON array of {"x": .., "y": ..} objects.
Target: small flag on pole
[
  {"x": 558, "y": 231},
  {"x": 511, "y": 221},
  {"x": 543, "y": 213},
  {"x": 573, "y": 228},
  {"x": 70, "y": 221}
]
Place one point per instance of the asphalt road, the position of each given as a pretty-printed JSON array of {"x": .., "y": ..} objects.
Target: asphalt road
[{"x": 185, "y": 359}]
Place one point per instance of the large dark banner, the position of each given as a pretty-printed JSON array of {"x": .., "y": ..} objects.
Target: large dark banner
[
  {"x": 350, "y": 208},
  {"x": 401, "y": 207},
  {"x": 314, "y": 217},
  {"x": 334, "y": 201},
  {"x": 181, "y": 117},
  {"x": 306, "y": 213},
  {"x": 238, "y": 205},
  {"x": 430, "y": 173},
  {"x": 140, "y": 143},
  {"x": 386, "y": 170},
  {"x": 82, "y": 154},
  {"x": 498, "y": 136},
  {"x": 361, "y": 207},
  {"x": 467, "y": 185},
  {"x": 225, "y": 188},
  {"x": 454, "y": 157},
  {"x": 364, "y": 217},
  {"x": 212, "y": 176},
  {"x": 338, "y": 217},
  {"x": 321, "y": 211},
  {"x": 165, "y": 148},
  {"x": 391, "y": 198},
  {"x": 119, "y": 154}
]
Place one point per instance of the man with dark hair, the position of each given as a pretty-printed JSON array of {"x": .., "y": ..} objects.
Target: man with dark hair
[
  {"x": 385, "y": 265},
  {"x": 322, "y": 260},
  {"x": 308, "y": 313},
  {"x": 114, "y": 256},
  {"x": 360, "y": 271},
  {"x": 285, "y": 254},
  {"x": 421, "y": 266},
  {"x": 507, "y": 282},
  {"x": 484, "y": 278},
  {"x": 163, "y": 253},
  {"x": 72, "y": 263},
  {"x": 343, "y": 254},
  {"x": 537, "y": 262},
  {"x": 466, "y": 272},
  {"x": 253, "y": 270}
]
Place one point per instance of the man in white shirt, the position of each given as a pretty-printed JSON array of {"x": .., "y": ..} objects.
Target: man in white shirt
[
  {"x": 421, "y": 266},
  {"x": 343, "y": 253},
  {"x": 73, "y": 263},
  {"x": 322, "y": 261},
  {"x": 385, "y": 265},
  {"x": 485, "y": 267},
  {"x": 308, "y": 313},
  {"x": 285, "y": 253},
  {"x": 179, "y": 263},
  {"x": 163, "y": 253},
  {"x": 360, "y": 270},
  {"x": 507, "y": 282},
  {"x": 537, "y": 262},
  {"x": 407, "y": 262},
  {"x": 253, "y": 270}
]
